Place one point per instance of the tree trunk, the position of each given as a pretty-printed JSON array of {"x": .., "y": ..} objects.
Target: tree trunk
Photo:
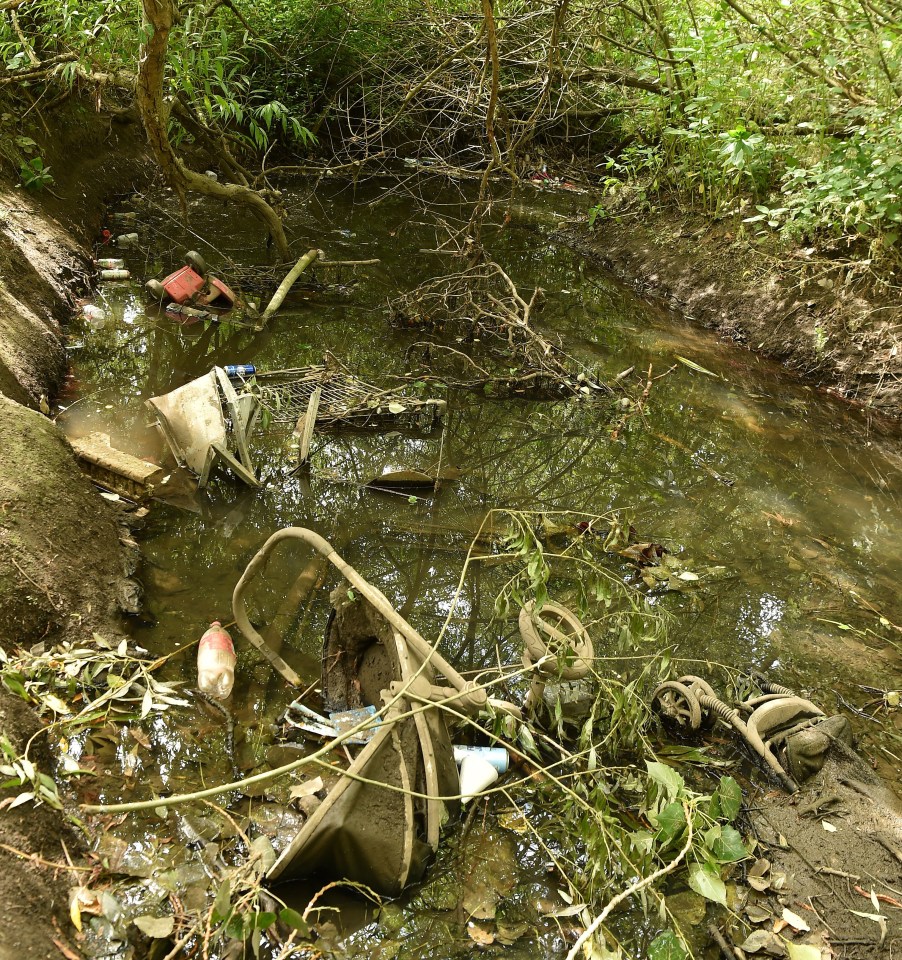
[{"x": 160, "y": 16}]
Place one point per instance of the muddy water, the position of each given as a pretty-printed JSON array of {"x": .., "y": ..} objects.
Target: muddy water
[{"x": 784, "y": 502}]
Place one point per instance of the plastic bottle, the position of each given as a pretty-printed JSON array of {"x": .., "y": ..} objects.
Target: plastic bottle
[
  {"x": 110, "y": 263},
  {"x": 240, "y": 370},
  {"x": 127, "y": 240},
  {"x": 96, "y": 316},
  {"x": 115, "y": 275},
  {"x": 216, "y": 662}
]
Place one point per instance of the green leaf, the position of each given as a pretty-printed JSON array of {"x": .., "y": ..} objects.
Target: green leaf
[
  {"x": 222, "y": 905},
  {"x": 295, "y": 920},
  {"x": 705, "y": 880},
  {"x": 667, "y": 778},
  {"x": 727, "y": 799},
  {"x": 666, "y": 946},
  {"x": 264, "y": 920},
  {"x": 728, "y": 847},
  {"x": 671, "y": 823}
]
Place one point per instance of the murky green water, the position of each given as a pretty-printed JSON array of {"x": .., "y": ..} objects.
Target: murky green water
[{"x": 807, "y": 534}]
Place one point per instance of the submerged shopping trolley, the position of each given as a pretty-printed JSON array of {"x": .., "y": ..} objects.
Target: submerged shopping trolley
[{"x": 381, "y": 821}]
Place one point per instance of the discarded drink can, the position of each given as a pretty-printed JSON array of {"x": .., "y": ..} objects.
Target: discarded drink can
[
  {"x": 127, "y": 240},
  {"x": 115, "y": 275},
  {"x": 110, "y": 263},
  {"x": 216, "y": 662},
  {"x": 498, "y": 757},
  {"x": 240, "y": 370}
]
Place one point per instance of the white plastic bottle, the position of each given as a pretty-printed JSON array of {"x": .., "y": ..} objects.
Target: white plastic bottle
[{"x": 216, "y": 662}]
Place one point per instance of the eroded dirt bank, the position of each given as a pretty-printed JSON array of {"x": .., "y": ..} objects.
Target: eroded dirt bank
[
  {"x": 818, "y": 313},
  {"x": 63, "y": 571}
]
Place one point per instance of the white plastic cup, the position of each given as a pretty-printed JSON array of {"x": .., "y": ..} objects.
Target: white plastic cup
[
  {"x": 216, "y": 662},
  {"x": 475, "y": 775}
]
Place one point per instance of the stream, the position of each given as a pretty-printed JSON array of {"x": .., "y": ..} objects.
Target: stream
[{"x": 782, "y": 503}]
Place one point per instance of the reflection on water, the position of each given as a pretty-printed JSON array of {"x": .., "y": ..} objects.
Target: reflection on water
[{"x": 808, "y": 532}]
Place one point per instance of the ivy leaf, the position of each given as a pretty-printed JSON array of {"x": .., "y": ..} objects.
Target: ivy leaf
[
  {"x": 705, "y": 880},
  {"x": 666, "y": 946}
]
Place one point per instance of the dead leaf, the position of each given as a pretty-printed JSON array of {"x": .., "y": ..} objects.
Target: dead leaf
[
  {"x": 307, "y": 789},
  {"x": 645, "y": 554},
  {"x": 764, "y": 941},
  {"x": 794, "y": 920},
  {"x": 156, "y": 927},
  {"x": 479, "y": 934}
]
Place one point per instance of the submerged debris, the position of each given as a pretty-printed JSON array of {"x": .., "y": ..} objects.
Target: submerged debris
[
  {"x": 343, "y": 399},
  {"x": 193, "y": 422},
  {"x": 481, "y": 305}
]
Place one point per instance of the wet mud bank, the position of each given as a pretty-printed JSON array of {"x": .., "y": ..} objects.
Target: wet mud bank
[
  {"x": 64, "y": 571},
  {"x": 816, "y": 312}
]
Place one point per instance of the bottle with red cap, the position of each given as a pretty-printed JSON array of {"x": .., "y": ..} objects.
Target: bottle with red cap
[{"x": 216, "y": 662}]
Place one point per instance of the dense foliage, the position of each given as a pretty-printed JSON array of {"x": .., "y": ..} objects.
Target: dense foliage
[{"x": 785, "y": 111}]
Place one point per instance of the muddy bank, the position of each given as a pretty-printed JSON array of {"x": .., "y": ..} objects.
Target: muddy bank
[
  {"x": 63, "y": 571},
  {"x": 814, "y": 311}
]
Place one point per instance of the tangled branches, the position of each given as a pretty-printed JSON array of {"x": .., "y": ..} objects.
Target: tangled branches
[{"x": 483, "y": 309}]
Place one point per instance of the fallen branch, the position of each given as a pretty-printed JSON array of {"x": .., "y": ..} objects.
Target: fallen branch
[
  {"x": 634, "y": 887},
  {"x": 286, "y": 285}
]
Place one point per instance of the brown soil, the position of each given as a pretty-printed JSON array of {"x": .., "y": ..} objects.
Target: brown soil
[
  {"x": 819, "y": 313},
  {"x": 831, "y": 870},
  {"x": 63, "y": 571}
]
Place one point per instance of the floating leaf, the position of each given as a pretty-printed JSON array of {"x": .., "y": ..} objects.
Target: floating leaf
[
  {"x": 697, "y": 367},
  {"x": 156, "y": 927},
  {"x": 222, "y": 905},
  {"x": 666, "y": 946},
  {"x": 307, "y": 789},
  {"x": 395, "y": 407}
]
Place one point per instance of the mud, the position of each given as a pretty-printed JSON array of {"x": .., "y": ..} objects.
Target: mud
[
  {"x": 63, "y": 571},
  {"x": 836, "y": 841},
  {"x": 818, "y": 313}
]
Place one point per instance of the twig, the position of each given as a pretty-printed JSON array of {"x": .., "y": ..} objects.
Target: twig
[{"x": 633, "y": 888}]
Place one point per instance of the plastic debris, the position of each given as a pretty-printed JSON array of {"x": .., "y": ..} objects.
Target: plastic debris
[
  {"x": 96, "y": 316},
  {"x": 476, "y": 773},
  {"x": 216, "y": 662},
  {"x": 498, "y": 757},
  {"x": 192, "y": 419},
  {"x": 115, "y": 275}
]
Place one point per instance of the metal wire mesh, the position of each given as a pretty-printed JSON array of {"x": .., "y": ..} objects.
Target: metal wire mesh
[{"x": 344, "y": 399}]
